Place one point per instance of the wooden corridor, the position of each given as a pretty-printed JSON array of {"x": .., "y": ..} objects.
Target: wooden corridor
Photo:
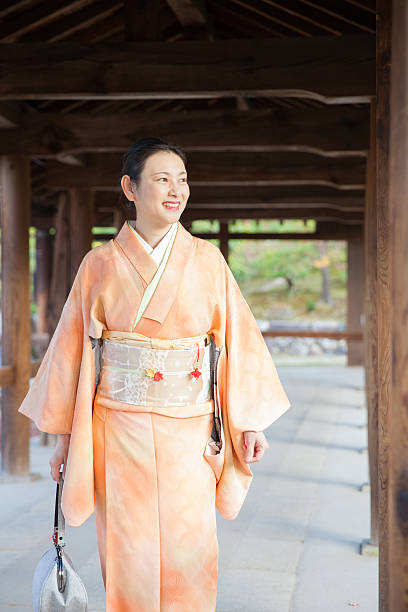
[
  {"x": 286, "y": 110},
  {"x": 295, "y": 545}
]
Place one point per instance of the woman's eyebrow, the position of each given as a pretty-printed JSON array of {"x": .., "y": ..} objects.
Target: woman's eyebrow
[{"x": 163, "y": 172}]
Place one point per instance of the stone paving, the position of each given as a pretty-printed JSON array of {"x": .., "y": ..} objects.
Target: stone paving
[{"x": 294, "y": 546}]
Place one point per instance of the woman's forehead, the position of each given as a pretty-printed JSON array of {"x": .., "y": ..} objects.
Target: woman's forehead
[{"x": 165, "y": 162}]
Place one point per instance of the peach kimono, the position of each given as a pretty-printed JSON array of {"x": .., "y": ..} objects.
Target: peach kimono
[{"x": 148, "y": 473}]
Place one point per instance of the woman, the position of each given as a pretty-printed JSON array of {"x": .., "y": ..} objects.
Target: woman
[{"x": 136, "y": 425}]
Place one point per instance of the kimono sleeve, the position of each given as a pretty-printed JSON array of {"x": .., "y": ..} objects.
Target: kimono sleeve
[
  {"x": 251, "y": 394},
  {"x": 50, "y": 400},
  {"x": 254, "y": 395}
]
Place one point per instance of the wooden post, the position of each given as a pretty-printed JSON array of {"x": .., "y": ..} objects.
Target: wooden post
[
  {"x": 384, "y": 303},
  {"x": 81, "y": 222},
  {"x": 42, "y": 278},
  {"x": 371, "y": 331},
  {"x": 61, "y": 270},
  {"x": 355, "y": 299},
  {"x": 397, "y": 567},
  {"x": 224, "y": 236},
  {"x": 15, "y": 306}
]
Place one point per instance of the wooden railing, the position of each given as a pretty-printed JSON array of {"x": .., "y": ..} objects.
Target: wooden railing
[{"x": 306, "y": 333}]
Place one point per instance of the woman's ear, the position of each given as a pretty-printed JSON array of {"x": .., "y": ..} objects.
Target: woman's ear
[{"x": 127, "y": 187}]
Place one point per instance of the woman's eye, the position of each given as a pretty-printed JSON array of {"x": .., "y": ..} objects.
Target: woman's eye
[{"x": 165, "y": 179}]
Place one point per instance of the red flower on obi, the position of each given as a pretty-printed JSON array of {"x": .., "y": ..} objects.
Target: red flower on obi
[
  {"x": 196, "y": 373},
  {"x": 158, "y": 376}
]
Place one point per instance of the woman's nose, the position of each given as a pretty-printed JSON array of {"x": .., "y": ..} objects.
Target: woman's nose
[{"x": 173, "y": 190}]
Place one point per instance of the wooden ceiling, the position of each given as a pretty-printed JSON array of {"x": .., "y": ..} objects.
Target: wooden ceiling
[{"x": 269, "y": 99}]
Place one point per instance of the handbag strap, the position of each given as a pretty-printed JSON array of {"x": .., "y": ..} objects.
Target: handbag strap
[{"x": 59, "y": 519}]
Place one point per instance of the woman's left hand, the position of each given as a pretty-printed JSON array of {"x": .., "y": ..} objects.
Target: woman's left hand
[{"x": 255, "y": 444}]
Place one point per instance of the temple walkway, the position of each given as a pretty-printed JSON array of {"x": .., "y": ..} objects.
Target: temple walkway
[{"x": 295, "y": 545}]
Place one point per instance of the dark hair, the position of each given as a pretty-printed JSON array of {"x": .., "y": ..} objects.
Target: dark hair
[{"x": 134, "y": 160}]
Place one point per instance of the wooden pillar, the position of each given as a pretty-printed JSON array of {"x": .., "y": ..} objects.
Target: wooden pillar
[
  {"x": 43, "y": 278},
  {"x": 61, "y": 269},
  {"x": 81, "y": 222},
  {"x": 384, "y": 303},
  {"x": 397, "y": 567},
  {"x": 371, "y": 328},
  {"x": 224, "y": 237},
  {"x": 355, "y": 299},
  {"x": 15, "y": 305}
]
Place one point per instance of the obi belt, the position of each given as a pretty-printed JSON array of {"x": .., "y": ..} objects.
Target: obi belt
[{"x": 152, "y": 372}]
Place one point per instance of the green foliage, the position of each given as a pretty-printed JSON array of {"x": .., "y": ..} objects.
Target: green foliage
[
  {"x": 310, "y": 305},
  {"x": 199, "y": 226},
  {"x": 256, "y": 263},
  {"x": 272, "y": 225},
  {"x": 268, "y": 259},
  {"x": 103, "y": 230}
]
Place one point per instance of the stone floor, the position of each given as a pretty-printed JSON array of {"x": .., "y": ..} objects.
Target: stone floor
[{"x": 294, "y": 546}]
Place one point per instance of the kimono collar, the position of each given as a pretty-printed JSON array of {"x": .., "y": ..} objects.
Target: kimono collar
[{"x": 146, "y": 267}]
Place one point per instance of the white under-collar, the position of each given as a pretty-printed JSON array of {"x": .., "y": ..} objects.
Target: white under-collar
[{"x": 158, "y": 251}]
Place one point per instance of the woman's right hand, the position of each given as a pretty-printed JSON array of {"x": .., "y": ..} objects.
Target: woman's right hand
[{"x": 59, "y": 456}]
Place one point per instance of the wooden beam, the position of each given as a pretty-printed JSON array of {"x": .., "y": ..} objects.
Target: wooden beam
[
  {"x": 226, "y": 196},
  {"x": 320, "y": 214},
  {"x": 337, "y": 232},
  {"x": 301, "y": 333},
  {"x": 332, "y": 69},
  {"x": 15, "y": 310},
  {"x": 277, "y": 201},
  {"x": 223, "y": 169},
  {"x": 398, "y": 399},
  {"x": 189, "y": 12},
  {"x": 345, "y": 229},
  {"x": 193, "y": 16},
  {"x": 339, "y": 131}
]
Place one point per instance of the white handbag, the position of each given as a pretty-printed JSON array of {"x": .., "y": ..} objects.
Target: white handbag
[{"x": 56, "y": 585}]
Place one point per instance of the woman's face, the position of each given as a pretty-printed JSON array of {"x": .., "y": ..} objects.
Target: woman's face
[{"x": 163, "y": 179}]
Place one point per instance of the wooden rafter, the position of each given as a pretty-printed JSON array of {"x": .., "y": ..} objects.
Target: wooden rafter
[
  {"x": 338, "y": 15},
  {"x": 40, "y": 14},
  {"x": 100, "y": 15},
  {"x": 194, "y": 17}
]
